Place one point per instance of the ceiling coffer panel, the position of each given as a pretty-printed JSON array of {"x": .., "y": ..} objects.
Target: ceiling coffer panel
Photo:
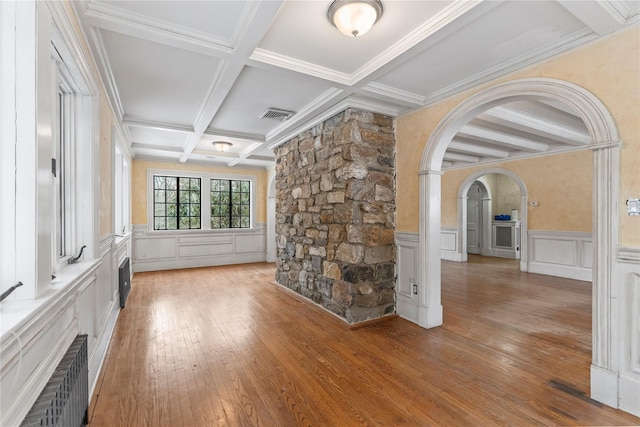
[{"x": 159, "y": 83}]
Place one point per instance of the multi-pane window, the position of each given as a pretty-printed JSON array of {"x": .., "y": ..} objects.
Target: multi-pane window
[
  {"x": 176, "y": 203},
  {"x": 230, "y": 203}
]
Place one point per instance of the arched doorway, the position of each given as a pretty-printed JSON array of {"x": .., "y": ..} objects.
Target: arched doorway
[
  {"x": 605, "y": 146},
  {"x": 463, "y": 199}
]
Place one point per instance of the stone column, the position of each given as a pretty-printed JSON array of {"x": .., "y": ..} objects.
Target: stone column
[{"x": 335, "y": 218}]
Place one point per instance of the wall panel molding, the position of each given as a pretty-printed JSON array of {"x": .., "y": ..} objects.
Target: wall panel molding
[
  {"x": 561, "y": 253},
  {"x": 153, "y": 251}
]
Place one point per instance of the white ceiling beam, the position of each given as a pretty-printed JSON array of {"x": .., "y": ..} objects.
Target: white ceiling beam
[
  {"x": 252, "y": 34},
  {"x": 458, "y": 157},
  {"x": 446, "y": 164},
  {"x": 147, "y": 124},
  {"x": 536, "y": 126},
  {"x": 501, "y": 138},
  {"x": 471, "y": 148},
  {"x": 548, "y": 112},
  {"x": 138, "y": 146},
  {"x": 113, "y": 18},
  {"x": 600, "y": 15}
]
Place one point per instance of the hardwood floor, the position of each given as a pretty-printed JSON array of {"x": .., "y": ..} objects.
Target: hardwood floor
[{"x": 225, "y": 346}]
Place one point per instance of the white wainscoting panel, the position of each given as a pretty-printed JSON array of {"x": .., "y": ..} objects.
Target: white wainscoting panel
[
  {"x": 561, "y": 253},
  {"x": 165, "y": 250},
  {"x": 83, "y": 300},
  {"x": 449, "y": 244},
  {"x": 629, "y": 308},
  {"x": 407, "y": 259}
]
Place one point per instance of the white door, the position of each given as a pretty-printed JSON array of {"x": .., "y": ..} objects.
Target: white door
[{"x": 474, "y": 219}]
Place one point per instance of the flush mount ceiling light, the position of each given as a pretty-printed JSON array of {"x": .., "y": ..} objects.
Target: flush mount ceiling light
[
  {"x": 222, "y": 145},
  {"x": 354, "y": 17}
]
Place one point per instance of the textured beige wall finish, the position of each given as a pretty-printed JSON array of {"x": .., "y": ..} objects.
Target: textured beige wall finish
[
  {"x": 139, "y": 185},
  {"x": 608, "y": 68}
]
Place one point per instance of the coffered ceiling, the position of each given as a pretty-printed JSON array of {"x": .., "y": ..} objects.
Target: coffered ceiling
[{"x": 182, "y": 74}]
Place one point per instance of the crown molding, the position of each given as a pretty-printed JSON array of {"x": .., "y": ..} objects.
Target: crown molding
[
  {"x": 111, "y": 86},
  {"x": 116, "y": 19},
  {"x": 411, "y": 98},
  {"x": 362, "y": 104},
  {"x": 565, "y": 44},
  {"x": 443, "y": 19},
  {"x": 148, "y": 124},
  {"x": 601, "y": 16},
  {"x": 138, "y": 146},
  {"x": 325, "y": 98}
]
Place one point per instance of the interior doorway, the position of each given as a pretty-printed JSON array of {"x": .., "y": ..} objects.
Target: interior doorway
[
  {"x": 475, "y": 228},
  {"x": 605, "y": 144}
]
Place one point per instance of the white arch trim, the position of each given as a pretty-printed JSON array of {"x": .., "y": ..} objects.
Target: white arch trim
[
  {"x": 605, "y": 146},
  {"x": 462, "y": 210}
]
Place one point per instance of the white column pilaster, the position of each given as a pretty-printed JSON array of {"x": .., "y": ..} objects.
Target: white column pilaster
[{"x": 429, "y": 295}]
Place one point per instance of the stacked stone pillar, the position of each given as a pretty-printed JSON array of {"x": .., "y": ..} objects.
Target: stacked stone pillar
[{"x": 335, "y": 215}]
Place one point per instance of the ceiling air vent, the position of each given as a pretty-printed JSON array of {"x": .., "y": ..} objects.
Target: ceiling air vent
[{"x": 276, "y": 114}]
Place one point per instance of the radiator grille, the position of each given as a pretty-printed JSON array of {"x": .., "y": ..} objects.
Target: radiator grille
[
  {"x": 503, "y": 237},
  {"x": 65, "y": 398},
  {"x": 124, "y": 281}
]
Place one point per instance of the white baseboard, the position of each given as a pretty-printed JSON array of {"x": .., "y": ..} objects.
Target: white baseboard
[
  {"x": 604, "y": 386},
  {"x": 629, "y": 395},
  {"x": 450, "y": 255}
]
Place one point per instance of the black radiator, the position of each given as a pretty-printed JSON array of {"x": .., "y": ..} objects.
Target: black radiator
[
  {"x": 124, "y": 281},
  {"x": 65, "y": 399}
]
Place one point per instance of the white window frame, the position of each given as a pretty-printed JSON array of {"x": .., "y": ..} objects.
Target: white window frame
[
  {"x": 63, "y": 202},
  {"x": 205, "y": 199}
]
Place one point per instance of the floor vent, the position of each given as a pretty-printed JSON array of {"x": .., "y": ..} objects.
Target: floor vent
[
  {"x": 124, "y": 281},
  {"x": 65, "y": 399},
  {"x": 274, "y": 113}
]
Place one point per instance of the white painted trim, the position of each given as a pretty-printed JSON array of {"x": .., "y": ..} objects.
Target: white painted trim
[
  {"x": 447, "y": 253},
  {"x": 604, "y": 133},
  {"x": 406, "y": 275},
  {"x": 164, "y": 250},
  {"x": 299, "y": 66},
  {"x": 604, "y": 386},
  {"x": 205, "y": 194},
  {"x": 462, "y": 214},
  {"x": 575, "y": 245}
]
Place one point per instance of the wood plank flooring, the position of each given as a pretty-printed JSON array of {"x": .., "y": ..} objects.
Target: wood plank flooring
[{"x": 224, "y": 346}]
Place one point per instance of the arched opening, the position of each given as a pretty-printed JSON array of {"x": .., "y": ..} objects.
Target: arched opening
[
  {"x": 480, "y": 176},
  {"x": 605, "y": 146}
]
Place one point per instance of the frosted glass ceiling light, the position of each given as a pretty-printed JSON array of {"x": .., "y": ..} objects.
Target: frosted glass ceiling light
[
  {"x": 222, "y": 145},
  {"x": 354, "y": 17}
]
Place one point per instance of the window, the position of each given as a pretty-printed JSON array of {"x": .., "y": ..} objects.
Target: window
[
  {"x": 230, "y": 203},
  {"x": 61, "y": 167},
  {"x": 186, "y": 200},
  {"x": 176, "y": 203}
]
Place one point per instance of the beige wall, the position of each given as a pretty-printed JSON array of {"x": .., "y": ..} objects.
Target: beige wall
[
  {"x": 505, "y": 194},
  {"x": 610, "y": 69},
  {"x": 564, "y": 197},
  {"x": 139, "y": 185},
  {"x": 106, "y": 169}
]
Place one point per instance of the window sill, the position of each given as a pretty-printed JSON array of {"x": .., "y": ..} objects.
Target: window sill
[
  {"x": 16, "y": 316},
  {"x": 204, "y": 231}
]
